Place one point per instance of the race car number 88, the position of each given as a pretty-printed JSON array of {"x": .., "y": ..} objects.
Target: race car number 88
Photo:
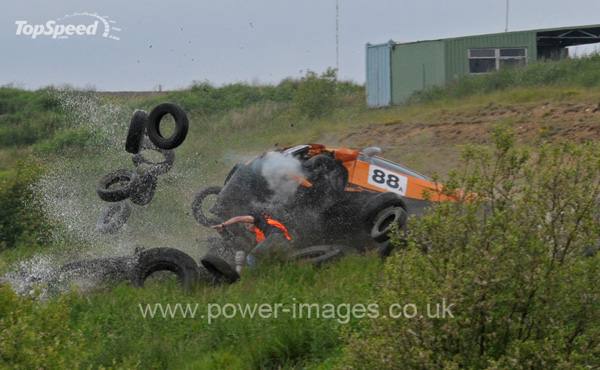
[{"x": 388, "y": 180}]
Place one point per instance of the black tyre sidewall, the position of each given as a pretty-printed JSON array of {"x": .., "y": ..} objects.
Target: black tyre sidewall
[
  {"x": 144, "y": 193},
  {"x": 135, "y": 135},
  {"x": 399, "y": 217},
  {"x": 376, "y": 204},
  {"x": 181, "y": 126},
  {"x": 197, "y": 206},
  {"x": 219, "y": 268},
  {"x": 167, "y": 259},
  {"x": 114, "y": 216},
  {"x": 121, "y": 193},
  {"x": 317, "y": 254}
]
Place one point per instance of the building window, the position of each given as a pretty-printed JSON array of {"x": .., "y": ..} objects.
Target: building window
[{"x": 488, "y": 60}]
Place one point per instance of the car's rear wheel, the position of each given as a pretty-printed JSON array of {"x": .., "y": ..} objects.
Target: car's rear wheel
[{"x": 384, "y": 221}]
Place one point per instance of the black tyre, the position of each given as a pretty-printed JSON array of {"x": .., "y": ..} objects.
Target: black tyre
[
  {"x": 181, "y": 126},
  {"x": 383, "y": 221},
  {"x": 127, "y": 179},
  {"x": 167, "y": 259},
  {"x": 376, "y": 204},
  {"x": 144, "y": 192},
  {"x": 326, "y": 174},
  {"x": 156, "y": 168},
  {"x": 219, "y": 268},
  {"x": 114, "y": 217},
  {"x": 135, "y": 135},
  {"x": 197, "y": 206},
  {"x": 316, "y": 255}
]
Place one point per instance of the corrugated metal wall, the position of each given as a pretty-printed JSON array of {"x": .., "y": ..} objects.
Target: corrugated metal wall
[
  {"x": 395, "y": 71},
  {"x": 457, "y": 58},
  {"x": 416, "y": 66},
  {"x": 378, "y": 86}
]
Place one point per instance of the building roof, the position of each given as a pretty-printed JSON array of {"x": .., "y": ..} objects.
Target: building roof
[{"x": 560, "y": 36}]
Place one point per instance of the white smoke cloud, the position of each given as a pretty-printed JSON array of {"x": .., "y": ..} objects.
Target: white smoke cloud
[{"x": 283, "y": 174}]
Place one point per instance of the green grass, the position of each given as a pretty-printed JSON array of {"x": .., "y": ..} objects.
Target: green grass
[{"x": 112, "y": 331}]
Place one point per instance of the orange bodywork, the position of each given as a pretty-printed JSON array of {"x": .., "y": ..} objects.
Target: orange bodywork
[{"x": 370, "y": 177}]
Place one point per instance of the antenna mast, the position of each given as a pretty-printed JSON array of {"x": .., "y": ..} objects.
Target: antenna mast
[
  {"x": 506, "y": 29},
  {"x": 337, "y": 38}
]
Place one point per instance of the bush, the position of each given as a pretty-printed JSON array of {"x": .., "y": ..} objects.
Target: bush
[
  {"x": 26, "y": 117},
  {"x": 21, "y": 222},
  {"x": 33, "y": 334},
  {"x": 315, "y": 95},
  {"x": 579, "y": 72},
  {"x": 517, "y": 262}
]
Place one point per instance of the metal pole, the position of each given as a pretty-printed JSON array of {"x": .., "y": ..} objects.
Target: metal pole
[
  {"x": 337, "y": 38},
  {"x": 506, "y": 29}
]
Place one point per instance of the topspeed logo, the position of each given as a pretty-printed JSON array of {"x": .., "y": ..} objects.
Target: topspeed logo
[{"x": 62, "y": 28}]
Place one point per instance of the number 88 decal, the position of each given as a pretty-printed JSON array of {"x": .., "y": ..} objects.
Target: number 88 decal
[{"x": 387, "y": 180}]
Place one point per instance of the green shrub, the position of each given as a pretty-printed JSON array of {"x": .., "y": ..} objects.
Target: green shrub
[
  {"x": 517, "y": 262},
  {"x": 580, "y": 72},
  {"x": 36, "y": 335},
  {"x": 22, "y": 223},
  {"x": 26, "y": 117},
  {"x": 204, "y": 99},
  {"x": 316, "y": 94}
]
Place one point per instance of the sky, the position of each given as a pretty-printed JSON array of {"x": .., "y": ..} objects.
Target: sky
[{"x": 150, "y": 45}]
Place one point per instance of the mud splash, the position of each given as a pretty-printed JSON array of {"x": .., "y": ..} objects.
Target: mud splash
[{"x": 66, "y": 194}]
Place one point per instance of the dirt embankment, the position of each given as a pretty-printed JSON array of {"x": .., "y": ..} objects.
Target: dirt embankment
[
  {"x": 532, "y": 123},
  {"x": 435, "y": 146}
]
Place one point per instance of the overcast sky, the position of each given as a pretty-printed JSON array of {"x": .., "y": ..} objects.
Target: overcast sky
[{"x": 173, "y": 43}]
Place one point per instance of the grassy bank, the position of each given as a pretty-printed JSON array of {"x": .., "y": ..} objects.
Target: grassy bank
[{"x": 76, "y": 137}]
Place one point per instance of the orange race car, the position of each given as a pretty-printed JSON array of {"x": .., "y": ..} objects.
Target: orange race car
[{"x": 325, "y": 195}]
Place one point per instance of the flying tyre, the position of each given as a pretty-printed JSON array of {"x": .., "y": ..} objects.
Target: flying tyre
[
  {"x": 127, "y": 179},
  {"x": 219, "y": 268},
  {"x": 135, "y": 135},
  {"x": 166, "y": 259},
  {"x": 114, "y": 217},
  {"x": 317, "y": 255},
  {"x": 156, "y": 168},
  {"x": 197, "y": 211},
  {"x": 181, "y": 126},
  {"x": 144, "y": 192}
]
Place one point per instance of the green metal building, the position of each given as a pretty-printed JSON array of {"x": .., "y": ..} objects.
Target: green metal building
[{"x": 396, "y": 70}]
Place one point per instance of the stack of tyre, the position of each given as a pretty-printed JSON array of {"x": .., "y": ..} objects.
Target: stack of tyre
[{"x": 138, "y": 185}]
